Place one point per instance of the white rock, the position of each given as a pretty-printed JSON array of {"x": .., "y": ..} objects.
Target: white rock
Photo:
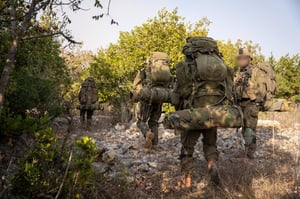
[{"x": 152, "y": 164}]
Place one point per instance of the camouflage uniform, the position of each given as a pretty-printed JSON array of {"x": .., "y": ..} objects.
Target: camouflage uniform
[
  {"x": 149, "y": 111},
  {"x": 190, "y": 138},
  {"x": 87, "y": 97},
  {"x": 249, "y": 94},
  {"x": 148, "y": 119},
  {"x": 194, "y": 92}
]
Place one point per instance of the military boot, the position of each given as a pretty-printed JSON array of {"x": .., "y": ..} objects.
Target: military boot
[
  {"x": 155, "y": 138},
  {"x": 250, "y": 151},
  {"x": 149, "y": 140},
  {"x": 213, "y": 172}
]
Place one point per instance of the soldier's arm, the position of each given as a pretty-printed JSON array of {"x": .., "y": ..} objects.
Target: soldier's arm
[{"x": 137, "y": 84}]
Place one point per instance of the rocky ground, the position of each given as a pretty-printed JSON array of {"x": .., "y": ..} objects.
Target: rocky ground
[
  {"x": 128, "y": 170},
  {"x": 155, "y": 173}
]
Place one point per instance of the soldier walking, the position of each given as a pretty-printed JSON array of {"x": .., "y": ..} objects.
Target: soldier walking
[
  {"x": 203, "y": 80},
  {"x": 156, "y": 75},
  {"x": 254, "y": 86},
  {"x": 88, "y": 96}
]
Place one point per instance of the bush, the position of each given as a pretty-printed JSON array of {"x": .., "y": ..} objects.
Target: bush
[
  {"x": 50, "y": 169},
  {"x": 15, "y": 125}
]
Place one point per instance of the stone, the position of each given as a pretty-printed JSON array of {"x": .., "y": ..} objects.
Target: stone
[
  {"x": 153, "y": 164},
  {"x": 143, "y": 167},
  {"x": 100, "y": 167},
  {"x": 110, "y": 156}
]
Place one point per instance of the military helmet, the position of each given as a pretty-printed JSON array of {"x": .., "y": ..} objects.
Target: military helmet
[{"x": 244, "y": 52}]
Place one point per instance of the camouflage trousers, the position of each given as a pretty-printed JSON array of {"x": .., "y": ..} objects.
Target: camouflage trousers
[
  {"x": 148, "y": 117},
  {"x": 250, "y": 111},
  {"x": 86, "y": 114},
  {"x": 189, "y": 140}
]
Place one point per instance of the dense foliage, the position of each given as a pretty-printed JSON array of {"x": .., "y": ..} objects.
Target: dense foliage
[
  {"x": 287, "y": 75},
  {"x": 116, "y": 66}
]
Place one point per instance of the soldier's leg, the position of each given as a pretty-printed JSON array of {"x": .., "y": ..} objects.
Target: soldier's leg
[
  {"x": 210, "y": 144},
  {"x": 188, "y": 141},
  {"x": 82, "y": 116},
  {"x": 89, "y": 117},
  {"x": 143, "y": 116},
  {"x": 153, "y": 121},
  {"x": 249, "y": 129},
  {"x": 211, "y": 153}
]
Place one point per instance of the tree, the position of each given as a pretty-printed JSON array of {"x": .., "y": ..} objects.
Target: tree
[
  {"x": 229, "y": 50},
  {"x": 116, "y": 66},
  {"x": 287, "y": 75},
  {"x": 21, "y": 19},
  {"x": 78, "y": 63},
  {"x": 40, "y": 78}
]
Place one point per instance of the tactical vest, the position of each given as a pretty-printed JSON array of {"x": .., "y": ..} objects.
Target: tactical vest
[{"x": 244, "y": 87}]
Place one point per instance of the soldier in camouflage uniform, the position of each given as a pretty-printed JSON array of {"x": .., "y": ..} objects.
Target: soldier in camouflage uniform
[
  {"x": 201, "y": 82},
  {"x": 149, "y": 111},
  {"x": 88, "y": 96},
  {"x": 249, "y": 93}
]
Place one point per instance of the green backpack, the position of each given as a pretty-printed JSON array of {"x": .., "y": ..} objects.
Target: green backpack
[
  {"x": 158, "y": 71},
  {"x": 268, "y": 78},
  {"x": 203, "y": 73},
  {"x": 88, "y": 93}
]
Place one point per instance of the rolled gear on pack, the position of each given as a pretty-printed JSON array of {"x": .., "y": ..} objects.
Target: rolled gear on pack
[
  {"x": 225, "y": 116},
  {"x": 154, "y": 95}
]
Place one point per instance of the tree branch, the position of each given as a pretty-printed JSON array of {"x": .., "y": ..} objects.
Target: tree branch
[{"x": 64, "y": 35}]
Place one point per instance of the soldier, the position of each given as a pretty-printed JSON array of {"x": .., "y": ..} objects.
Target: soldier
[
  {"x": 88, "y": 96},
  {"x": 203, "y": 80},
  {"x": 156, "y": 75},
  {"x": 250, "y": 92}
]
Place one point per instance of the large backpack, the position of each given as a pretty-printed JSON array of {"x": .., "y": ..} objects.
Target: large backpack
[
  {"x": 88, "y": 93},
  {"x": 204, "y": 73},
  {"x": 158, "y": 70},
  {"x": 268, "y": 78}
]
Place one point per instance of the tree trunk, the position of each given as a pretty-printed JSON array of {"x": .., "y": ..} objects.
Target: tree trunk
[
  {"x": 16, "y": 36},
  {"x": 6, "y": 72}
]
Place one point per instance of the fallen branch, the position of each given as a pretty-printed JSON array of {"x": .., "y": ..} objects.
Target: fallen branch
[{"x": 65, "y": 176}]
